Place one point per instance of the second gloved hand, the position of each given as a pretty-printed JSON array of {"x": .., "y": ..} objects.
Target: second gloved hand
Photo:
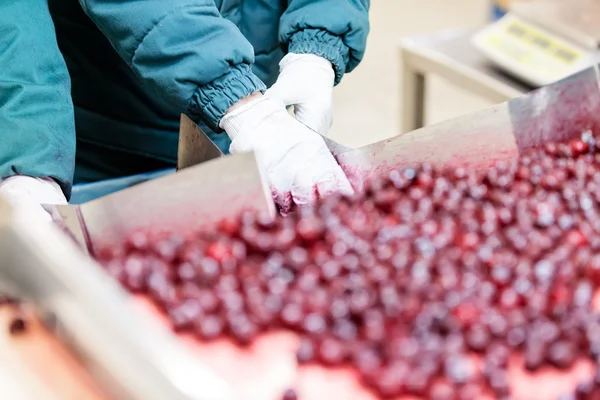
[
  {"x": 27, "y": 194},
  {"x": 306, "y": 82},
  {"x": 296, "y": 160}
]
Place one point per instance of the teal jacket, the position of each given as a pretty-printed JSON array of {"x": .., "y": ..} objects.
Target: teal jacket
[{"x": 119, "y": 73}]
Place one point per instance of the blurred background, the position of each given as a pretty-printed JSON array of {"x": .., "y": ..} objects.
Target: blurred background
[{"x": 367, "y": 102}]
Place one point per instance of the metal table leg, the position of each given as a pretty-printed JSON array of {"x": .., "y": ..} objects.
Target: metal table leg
[
  {"x": 450, "y": 55},
  {"x": 413, "y": 94},
  {"x": 413, "y": 99}
]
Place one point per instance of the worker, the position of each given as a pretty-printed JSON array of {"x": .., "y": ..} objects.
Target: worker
[{"x": 112, "y": 77}]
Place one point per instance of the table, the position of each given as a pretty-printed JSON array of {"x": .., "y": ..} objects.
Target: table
[{"x": 451, "y": 55}]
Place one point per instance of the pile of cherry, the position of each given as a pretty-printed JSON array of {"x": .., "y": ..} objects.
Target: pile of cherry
[{"x": 405, "y": 282}]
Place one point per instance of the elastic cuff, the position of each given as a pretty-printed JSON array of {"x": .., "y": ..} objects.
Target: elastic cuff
[
  {"x": 210, "y": 102},
  {"x": 322, "y": 43}
]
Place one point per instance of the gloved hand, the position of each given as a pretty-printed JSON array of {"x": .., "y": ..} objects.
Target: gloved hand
[
  {"x": 27, "y": 194},
  {"x": 296, "y": 161},
  {"x": 306, "y": 82}
]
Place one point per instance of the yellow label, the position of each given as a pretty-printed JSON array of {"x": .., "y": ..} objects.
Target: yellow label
[
  {"x": 546, "y": 63},
  {"x": 556, "y": 49}
]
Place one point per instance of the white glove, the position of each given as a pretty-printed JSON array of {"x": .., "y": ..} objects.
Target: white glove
[
  {"x": 306, "y": 82},
  {"x": 296, "y": 161},
  {"x": 27, "y": 194}
]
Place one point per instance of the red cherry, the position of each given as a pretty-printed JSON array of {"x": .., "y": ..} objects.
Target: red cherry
[
  {"x": 289, "y": 394},
  {"x": 468, "y": 241},
  {"x": 442, "y": 391},
  {"x": 402, "y": 280},
  {"x": 306, "y": 351},
  {"x": 332, "y": 352},
  {"x": 562, "y": 354},
  {"x": 466, "y": 313},
  {"x": 218, "y": 250},
  {"x": 393, "y": 380},
  {"x": 18, "y": 324},
  {"x": 208, "y": 327},
  {"x": 229, "y": 226},
  {"x": 310, "y": 229},
  {"x": 138, "y": 241},
  {"x": 578, "y": 146}
]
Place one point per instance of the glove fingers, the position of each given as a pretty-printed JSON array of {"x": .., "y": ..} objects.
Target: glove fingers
[
  {"x": 334, "y": 182},
  {"x": 318, "y": 117},
  {"x": 282, "y": 192},
  {"x": 304, "y": 190},
  {"x": 284, "y": 202},
  {"x": 278, "y": 92}
]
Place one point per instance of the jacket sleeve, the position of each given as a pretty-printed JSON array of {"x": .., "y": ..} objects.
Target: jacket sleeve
[
  {"x": 333, "y": 29},
  {"x": 184, "y": 50},
  {"x": 37, "y": 128}
]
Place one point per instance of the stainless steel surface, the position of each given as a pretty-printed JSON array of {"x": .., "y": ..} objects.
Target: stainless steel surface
[
  {"x": 190, "y": 200},
  {"x": 335, "y": 147},
  {"x": 450, "y": 55},
  {"x": 437, "y": 144},
  {"x": 574, "y": 20},
  {"x": 194, "y": 146},
  {"x": 413, "y": 96},
  {"x": 132, "y": 356},
  {"x": 68, "y": 218},
  {"x": 556, "y": 112}
]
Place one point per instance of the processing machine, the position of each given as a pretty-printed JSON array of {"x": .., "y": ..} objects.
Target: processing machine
[{"x": 93, "y": 340}]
